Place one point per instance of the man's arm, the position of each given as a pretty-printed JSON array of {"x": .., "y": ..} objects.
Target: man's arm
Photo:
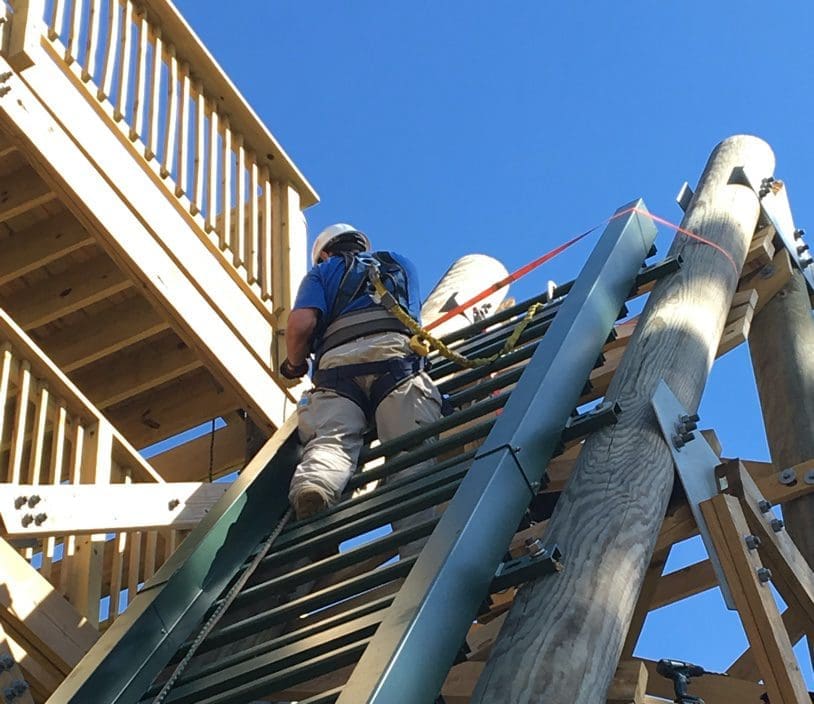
[{"x": 298, "y": 332}]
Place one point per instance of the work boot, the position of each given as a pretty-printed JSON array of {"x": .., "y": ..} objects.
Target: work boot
[{"x": 309, "y": 502}]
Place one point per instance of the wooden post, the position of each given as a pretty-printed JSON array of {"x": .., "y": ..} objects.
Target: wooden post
[
  {"x": 564, "y": 634},
  {"x": 780, "y": 342}
]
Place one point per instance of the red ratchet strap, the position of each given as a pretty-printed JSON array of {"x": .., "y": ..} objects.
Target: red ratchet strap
[{"x": 548, "y": 256}]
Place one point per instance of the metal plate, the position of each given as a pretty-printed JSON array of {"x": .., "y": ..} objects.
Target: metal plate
[
  {"x": 776, "y": 208},
  {"x": 695, "y": 464}
]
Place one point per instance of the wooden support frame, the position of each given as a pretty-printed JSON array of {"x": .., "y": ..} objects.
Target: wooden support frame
[
  {"x": 99, "y": 508},
  {"x": 764, "y": 628}
]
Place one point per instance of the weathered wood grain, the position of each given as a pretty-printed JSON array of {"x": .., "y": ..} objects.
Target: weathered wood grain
[{"x": 565, "y": 633}]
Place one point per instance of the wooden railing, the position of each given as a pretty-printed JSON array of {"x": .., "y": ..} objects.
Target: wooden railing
[
  {"x": 142, "y": 65},
  {"x": 51, "y": 434}
]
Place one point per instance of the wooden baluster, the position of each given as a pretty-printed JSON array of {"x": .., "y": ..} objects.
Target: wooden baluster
[
  {"x": 125, "y": 50},
  {"x": 20, "y": 417},
  {"x": 200, "y": 151},
  {"x": 150, "y": 551},
  {"x": 134, "y": 565},
  {"x": 137, "y": 128},
  {"x": 212, "y": 174},
  {"x": 54, "y": 477},
  {"x": 57, "y": 19},
  {"x": 224, "y": 233},
  {"x": 253, "y": 240},
  {"x": 182, "y": 184},
  {"x": 75, "y": 471},
  {"x": 106, "y": 84},
  {"x": 265, "y": 241},
  {"x": 38, "y": 436},
  {"x": 171, "y": 117},
  {"x": 117, "y": 565},
  {"x": 151, "y": 148},
  {"x": 6, "y": 360},
  {"x": 72, "y": 46},
  {"x": 239, "y": 234},
  {"x": 92, "y": 41}
]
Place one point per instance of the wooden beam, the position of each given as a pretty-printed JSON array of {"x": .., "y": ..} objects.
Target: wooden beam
[
  {"x": 103, "y": 334},
  {"x": 12, "y": 675},
  {"x": 78, "y": 287},
  {"x": 745, "y": 667},
  {"x": 736, "y": 330},
  {"x": 675, "y": 340},
  {"x": 92, "y": 508},
  {"x": 778, "y": 491},
  {"x": 190, "y": 461},
  {"x": 21, "y": 191},
  {"x": 684, "y": 583},
  {"x": 755, "y": 603},
  {"x": 791, "y": 572},
  {"x": 39, "y": 672},
  {"x": 761, "y": 250},
  {"x": 629, "y": 685},
  {"x": 31, "y": 606},
  {"x": 652, "y": 579},
  {"x": 171, "y": 409},
  {"x": 135, "y": 370},
  {"x": 769, "y": 280},
  {"x": 29, "y": 249}
]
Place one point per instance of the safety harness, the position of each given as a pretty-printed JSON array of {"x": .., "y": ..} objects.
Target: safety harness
[{"x": 339, "y": 329}]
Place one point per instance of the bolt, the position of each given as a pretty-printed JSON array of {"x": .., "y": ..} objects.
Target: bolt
[
  {"x": 19, "y": 686},
  {"x": 534, "y": 547},
  {"x": 6, "y": 662},
  {"x": 40, "y": 518},
  {"x": 777, "y": 525},
  {"x": 687, "y": 437},
  {"x": 764, "y": 574},
  {"x": 752, "y": 542},
  {"x": 173, "y": 504},
  {"x": 806, "y": 261},
  {"x": 19, "y": 502},
  {"x": 33, "y": 501},
  {"x": 809, "y": 478},
  {"x": 788, "y": 477},
  {"x": 28, "y": 519},
  {"x": 799, "y": 234},
  {"x": 687, "y": 426},
  {"x": 691, "y": 418},
  {"x": 4, "y": 90},
  {"x": 802, "y": 248},
  {"x": 678, "y": 442},
  {"x": 764, "y": 505},
  {"x": 5, "y": 76}
]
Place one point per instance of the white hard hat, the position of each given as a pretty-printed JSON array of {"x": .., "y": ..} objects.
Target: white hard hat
[{"x": 332, "y": 232}]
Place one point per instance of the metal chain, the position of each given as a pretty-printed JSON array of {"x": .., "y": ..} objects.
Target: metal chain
[{"x": 224, "y": 605}]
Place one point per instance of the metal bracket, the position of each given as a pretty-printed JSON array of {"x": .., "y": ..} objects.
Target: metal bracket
[
  {"x": 695, "y": 463},
  {"x": 522, "y": 569},
  {"x": 684, "y": 196},
  {"x": 774, "y": 202},
  {"x": 606, "y": 413}
]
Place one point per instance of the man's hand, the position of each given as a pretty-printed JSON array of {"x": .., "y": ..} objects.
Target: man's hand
[{"x": 290, "y": 371}]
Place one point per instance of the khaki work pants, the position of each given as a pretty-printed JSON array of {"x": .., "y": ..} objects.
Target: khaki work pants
[{"x": 331, "y": 426}]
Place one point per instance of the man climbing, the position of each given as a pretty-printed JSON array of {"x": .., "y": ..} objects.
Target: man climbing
[{"x": 363, "y": 367}]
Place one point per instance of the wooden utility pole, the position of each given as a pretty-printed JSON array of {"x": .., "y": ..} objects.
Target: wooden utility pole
[
  {"x": 564, "y": 634},
  {"x": 781, "y": 342}
]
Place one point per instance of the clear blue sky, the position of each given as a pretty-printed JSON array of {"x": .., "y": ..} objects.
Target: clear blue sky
[{"x": 446, "y": 128}]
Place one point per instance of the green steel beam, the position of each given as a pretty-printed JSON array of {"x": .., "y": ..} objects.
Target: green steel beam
[{"x": 134, "y": 650}]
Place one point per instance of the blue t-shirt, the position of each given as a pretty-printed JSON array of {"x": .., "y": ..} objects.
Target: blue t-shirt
[{"x": 320, "y": 286}]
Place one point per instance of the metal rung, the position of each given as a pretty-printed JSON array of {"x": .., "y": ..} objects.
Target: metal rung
[
  {"x": 287, "y": 639},
  {"x": 310, "y": 602},
  {"x": 318, "y": 645}
]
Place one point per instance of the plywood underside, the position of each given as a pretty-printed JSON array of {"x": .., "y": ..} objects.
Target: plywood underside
[{"x": 92, "y": 319}]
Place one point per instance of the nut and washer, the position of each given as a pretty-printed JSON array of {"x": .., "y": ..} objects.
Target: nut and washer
[
  {"x": 764, "y": 505},
  {"x": 787, "y": 476},
  {"x": 19, "y": 502},
  {"x": 752, "y": 542},
  {"x": 809, "y": 477},
  {"x": 764, "y": 574},
  {"x": 777, "y": 525}
]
